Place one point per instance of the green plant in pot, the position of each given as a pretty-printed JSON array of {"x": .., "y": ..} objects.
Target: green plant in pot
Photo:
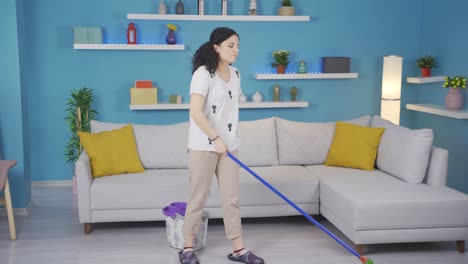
[
  {"x": 426, "y": 63},
  {"x": 281, "y": 60},
  {"x": 79, "y": 114},
  {"x": 286, "y": 8}
]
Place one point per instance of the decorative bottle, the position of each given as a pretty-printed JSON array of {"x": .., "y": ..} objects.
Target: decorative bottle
[
  {"x": 201, "y": 7},
  {"x": 253, "y": 8},
  {"x": 131, "y": 34},
  {"x": 179, "y": 8},
  {"x": 224, "y": 7},
  {"x": 302, "y": 67},
  {"x": 276, "y": 93},
  {"x": 171, "y": 38},
  {"x": 162, "y": 9},
  {"x": 293, "y": 93}
]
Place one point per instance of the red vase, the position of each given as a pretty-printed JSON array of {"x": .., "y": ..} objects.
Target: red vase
[
  {"x": 280, "y": 69},
  {"x": 426, "y": 72},
  {"x": 454, "y": 99}
]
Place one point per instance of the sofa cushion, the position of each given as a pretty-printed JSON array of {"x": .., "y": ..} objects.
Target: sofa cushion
[
  {"x": 372, "y": 200},
  {"x": 354, "y": 146},
  {"x": 112, "y": 152},
  {"x": 295, "y": 182},
  {"x": 143, "y": 190},
  {"x": 258, "y": 142},
  {"x": 302, "y": 143},
  {"x": 403, "y": 152},
  {"x": 150, "y": 139}
]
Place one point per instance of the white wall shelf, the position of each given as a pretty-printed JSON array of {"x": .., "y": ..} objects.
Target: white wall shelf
[
  {"x": 247, "y": 105},
  {"x": 128, "y": 47},
  {"x": 289, "y": 76},
  {"x": 438, "y": 110},
  {"x": 425, "y": 79},
  {"x": 218, "y": 18}
]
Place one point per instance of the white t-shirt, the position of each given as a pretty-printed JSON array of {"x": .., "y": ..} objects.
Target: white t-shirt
[{"x": 221, "y": 108}]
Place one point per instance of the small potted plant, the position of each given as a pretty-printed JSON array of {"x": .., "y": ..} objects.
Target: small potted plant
[
  {"x": 286, "y": 8},
  {"x": 79, "y": 114},
  {"x": 426, "y": 63},
  {"x": 281, "y": 60},
  {"x": 454, "y": 98}
]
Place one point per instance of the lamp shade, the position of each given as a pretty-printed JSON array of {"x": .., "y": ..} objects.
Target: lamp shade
[
  {"x": 391, "y": 77},
  {"x": 391, "y": 88}
]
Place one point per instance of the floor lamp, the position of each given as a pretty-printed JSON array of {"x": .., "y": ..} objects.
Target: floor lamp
[{"x": 391, "y": 88}]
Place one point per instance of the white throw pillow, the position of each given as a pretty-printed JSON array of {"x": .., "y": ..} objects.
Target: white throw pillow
[
  {"x": 258, "y": 142},
  {"x": 307, "y": 143},
  {"x": 159, "y": 146},
  {"x": 403, "y": 152}
]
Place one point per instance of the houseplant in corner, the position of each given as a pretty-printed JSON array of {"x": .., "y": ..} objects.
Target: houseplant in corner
[
  {"x": 79, "y": 114},
  {"x": 454, "y": 99},
  {"x": 286, "y": 8},
  {"x": 281, "y": 60},
  {"x": 426, "y": 63}
]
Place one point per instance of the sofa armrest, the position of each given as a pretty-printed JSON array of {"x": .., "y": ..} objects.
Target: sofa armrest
[
  {"x": 84, "y": 179},
  {"x": 436, "y": 174}
]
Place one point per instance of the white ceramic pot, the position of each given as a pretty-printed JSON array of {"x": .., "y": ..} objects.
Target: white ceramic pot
[
  {"x": 286, "y": 11},
  {"x": 257, "y": 97}
]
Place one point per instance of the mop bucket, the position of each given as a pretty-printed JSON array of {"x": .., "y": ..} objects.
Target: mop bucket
[{"x": 175, "y": 213}]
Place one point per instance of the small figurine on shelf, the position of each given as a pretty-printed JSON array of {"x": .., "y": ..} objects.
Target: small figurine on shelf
[
  {"x": 131, "y": 34},
  {"x": 253, "y": 8},
  {"x": 171, "y": 37}
]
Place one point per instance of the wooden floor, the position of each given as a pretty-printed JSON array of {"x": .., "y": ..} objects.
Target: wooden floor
[{"x": 51, "y": 234}]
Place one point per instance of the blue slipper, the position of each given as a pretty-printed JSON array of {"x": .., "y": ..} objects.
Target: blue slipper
[{"x": 248, "y": 257}]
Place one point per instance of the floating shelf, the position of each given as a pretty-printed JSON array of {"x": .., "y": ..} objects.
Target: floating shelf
[
  {"x": 288, "y": 76},
  {"x": 425, "y": 79},
  {"x": 218, "y": 18},
  {"x": 128, "y": 47},
  {"x": 247, "y": 105},
  {"x": 438, "y": 110}
]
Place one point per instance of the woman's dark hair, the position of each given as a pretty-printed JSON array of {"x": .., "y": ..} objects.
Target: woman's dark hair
[{"x": 206, "y": 54}]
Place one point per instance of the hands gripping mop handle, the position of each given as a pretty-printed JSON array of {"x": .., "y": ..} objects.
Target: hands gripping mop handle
[{"x": 362, "y": 258}]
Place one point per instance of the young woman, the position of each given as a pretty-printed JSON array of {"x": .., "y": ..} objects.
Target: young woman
[{"x": 214, "y": 115}]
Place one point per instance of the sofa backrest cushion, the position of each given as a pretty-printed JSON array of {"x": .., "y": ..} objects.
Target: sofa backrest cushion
[
  {"x": 159, "y": 146},
  {"x": 306, "y": 143},
  {"x": 403, "y": 152},
  {"x": 258, "y": 142}
]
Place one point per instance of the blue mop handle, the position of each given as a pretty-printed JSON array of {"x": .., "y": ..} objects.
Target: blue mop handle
[{"x": 293, "y": 205}]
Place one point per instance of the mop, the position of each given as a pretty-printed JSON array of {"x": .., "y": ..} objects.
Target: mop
[{"x": 363, "y": 259}]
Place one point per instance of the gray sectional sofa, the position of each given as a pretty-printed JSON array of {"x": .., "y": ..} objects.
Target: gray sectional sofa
[{"x": 405, "y": 199}]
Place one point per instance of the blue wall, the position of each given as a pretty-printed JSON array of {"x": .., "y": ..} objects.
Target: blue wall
[
  {"x": 445, "y": 36},
  {"x": 365, "y": 30},
  {"x": 12, "y": 111}
]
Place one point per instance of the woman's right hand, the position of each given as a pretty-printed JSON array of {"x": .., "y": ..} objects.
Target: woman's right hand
[{"x": 220, "y": 147}]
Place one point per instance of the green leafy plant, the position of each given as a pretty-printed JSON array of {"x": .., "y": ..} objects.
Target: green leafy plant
[
  {"x": 426, "y": 62},
  {"x": 281, "y": 58},
  {"x": 79, "y": 114},
  {"x": 286, "y": 3},
  {"x": 455, "y": 82}
]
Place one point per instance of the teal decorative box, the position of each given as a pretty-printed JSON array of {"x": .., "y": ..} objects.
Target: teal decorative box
[
  {"x": 87, "y": 35},
  {"x": 80, "y": 35}
]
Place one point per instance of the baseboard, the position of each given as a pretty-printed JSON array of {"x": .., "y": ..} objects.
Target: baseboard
[
  {"x": 18, "y": 211},
  {"x": 52, "y": 183}
]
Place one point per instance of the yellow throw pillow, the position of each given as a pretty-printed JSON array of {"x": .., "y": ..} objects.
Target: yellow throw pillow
[
  {"x": 354, "y": 146},
  {"x": 112, "y": 152}
]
